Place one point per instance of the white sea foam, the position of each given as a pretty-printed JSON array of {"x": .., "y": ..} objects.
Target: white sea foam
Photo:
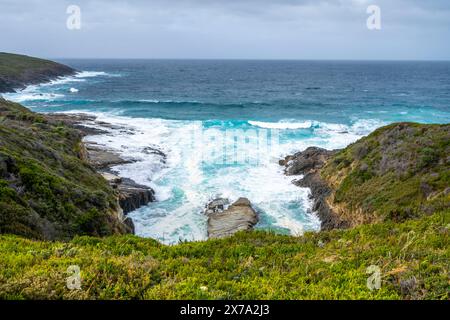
[
  {"x": 282, "y": 124},
  {"x": 31, "y": 93},
  {"x": 90, "y": 74},
  {"x": 60, "y": 81},
  {"x": 149, "y": 100},
  {"x": 38, "y": 92},
  {"x": 184, "y": 182},
  {"x": 165, "y": 101},
  {"x": 323, "y": 134},
  {"x": 78, "y": 77}
]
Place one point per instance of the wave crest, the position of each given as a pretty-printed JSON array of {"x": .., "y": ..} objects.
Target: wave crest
[{"x": 282, "y": 125}]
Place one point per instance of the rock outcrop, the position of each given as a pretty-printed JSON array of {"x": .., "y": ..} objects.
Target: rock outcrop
[
  {"x": 308, "y": 163},
  {"x": 397, "y": 172},
  {"x": 131, "y": 195},
  {"x": 224, "y": 220},
  {"x": 311, "y": 159},
  {"x": 102, "y": 158}
]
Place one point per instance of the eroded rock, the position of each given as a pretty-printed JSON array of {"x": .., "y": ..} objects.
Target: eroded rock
[
  {"x": 308, "y": 163},
  {"x": 101, "y": 158},
  {"x": 302, "y": 162},
  {"x": 130, "y": 195},
  {"x": 224, "y": 222}
]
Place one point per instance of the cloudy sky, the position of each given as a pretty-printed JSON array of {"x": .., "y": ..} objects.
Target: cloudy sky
[{"x": 233, "y": 29}]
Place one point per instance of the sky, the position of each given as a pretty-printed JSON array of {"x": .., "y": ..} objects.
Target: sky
[{"x": 228, "y": 29}]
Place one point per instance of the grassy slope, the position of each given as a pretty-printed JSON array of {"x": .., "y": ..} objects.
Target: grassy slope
[
  {"x": 413, "y": 257},
  {"x": 398, "y": 172},
  {"x": 19, "y": 70},
  {"x": 46, "y": 191}
]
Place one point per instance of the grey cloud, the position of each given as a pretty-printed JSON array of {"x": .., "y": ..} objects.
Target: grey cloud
[{"x": 295, "y": 29}]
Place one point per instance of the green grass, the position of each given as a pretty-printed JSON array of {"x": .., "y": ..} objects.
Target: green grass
[
  {"x": 413, "y": 257},
  {"x": 18, "y": 70},
  {"x": 13, "y": 64},
  {"x": 399, "y": 171},
  {"x": 46, "y": 190}
]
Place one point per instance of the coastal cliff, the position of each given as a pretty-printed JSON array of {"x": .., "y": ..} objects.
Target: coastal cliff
[
  {"x": 398, "y": 172},
  {"x": 131, "y": 195},
  {"x": 19, "y": 71},
  {"x": 47, "y": 191},
  {"x": 309, "y": 163}
]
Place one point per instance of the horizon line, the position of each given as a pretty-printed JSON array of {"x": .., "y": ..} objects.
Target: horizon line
[{"x": 250, "y": 59}]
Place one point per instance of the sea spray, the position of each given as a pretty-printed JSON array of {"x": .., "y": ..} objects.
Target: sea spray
[{"x": 195, "y": 169}]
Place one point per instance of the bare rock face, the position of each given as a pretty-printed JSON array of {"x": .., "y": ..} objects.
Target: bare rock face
[
  {"x": 302, "y": 162},
  {"x": 308, "y": 163},
  {"x": 224, "y": 221},
  {"x": 320, "y": 191},
  {"x": 217, "y": 205},
  {"x": 130, "y": 194},
  {"x": 113, "y": 179},
  {"x": 133, "y": 196},
  {"x": 101, "y": 158}
]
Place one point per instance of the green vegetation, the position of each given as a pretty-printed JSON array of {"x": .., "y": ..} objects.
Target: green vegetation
[
  {"x": 46, "y": 190},
  {"x": 398, "y": 172},
  {"x": 398, "y": 176},
  {"x": 17, "y": 71},
  {"x": 413, "y": 257}
]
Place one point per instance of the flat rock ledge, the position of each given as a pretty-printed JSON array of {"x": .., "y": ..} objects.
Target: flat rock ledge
[
  {"x": 101, "y": 158},
  {"x": 308, "y": 163},
  {"x": 225, "y": 220},
  {"x": 131, "y": 195}
]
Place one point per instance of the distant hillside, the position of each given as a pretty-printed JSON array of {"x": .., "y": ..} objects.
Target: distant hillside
[
  {"x": 46, "y": 190},
  {"x": 18, "y": 71}
]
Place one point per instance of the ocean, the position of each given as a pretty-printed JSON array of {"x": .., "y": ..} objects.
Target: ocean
[{"x": 223, "y": 126}]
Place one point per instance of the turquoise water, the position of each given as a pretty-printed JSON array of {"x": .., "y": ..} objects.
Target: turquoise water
[{"x": 224, "y": 124}]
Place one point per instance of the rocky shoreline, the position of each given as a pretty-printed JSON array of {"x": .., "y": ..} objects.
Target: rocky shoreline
[
  {"x": 308, "y": 163},
  {"x": 223, "y": 218},
  {"x": 131, "y": 195}
]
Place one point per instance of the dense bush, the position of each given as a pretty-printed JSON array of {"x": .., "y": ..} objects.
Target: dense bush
[
  {"x": 46, "y": 191},
  {"x": 397, "y": 172},
  {"x": 413, "y": 257}
]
